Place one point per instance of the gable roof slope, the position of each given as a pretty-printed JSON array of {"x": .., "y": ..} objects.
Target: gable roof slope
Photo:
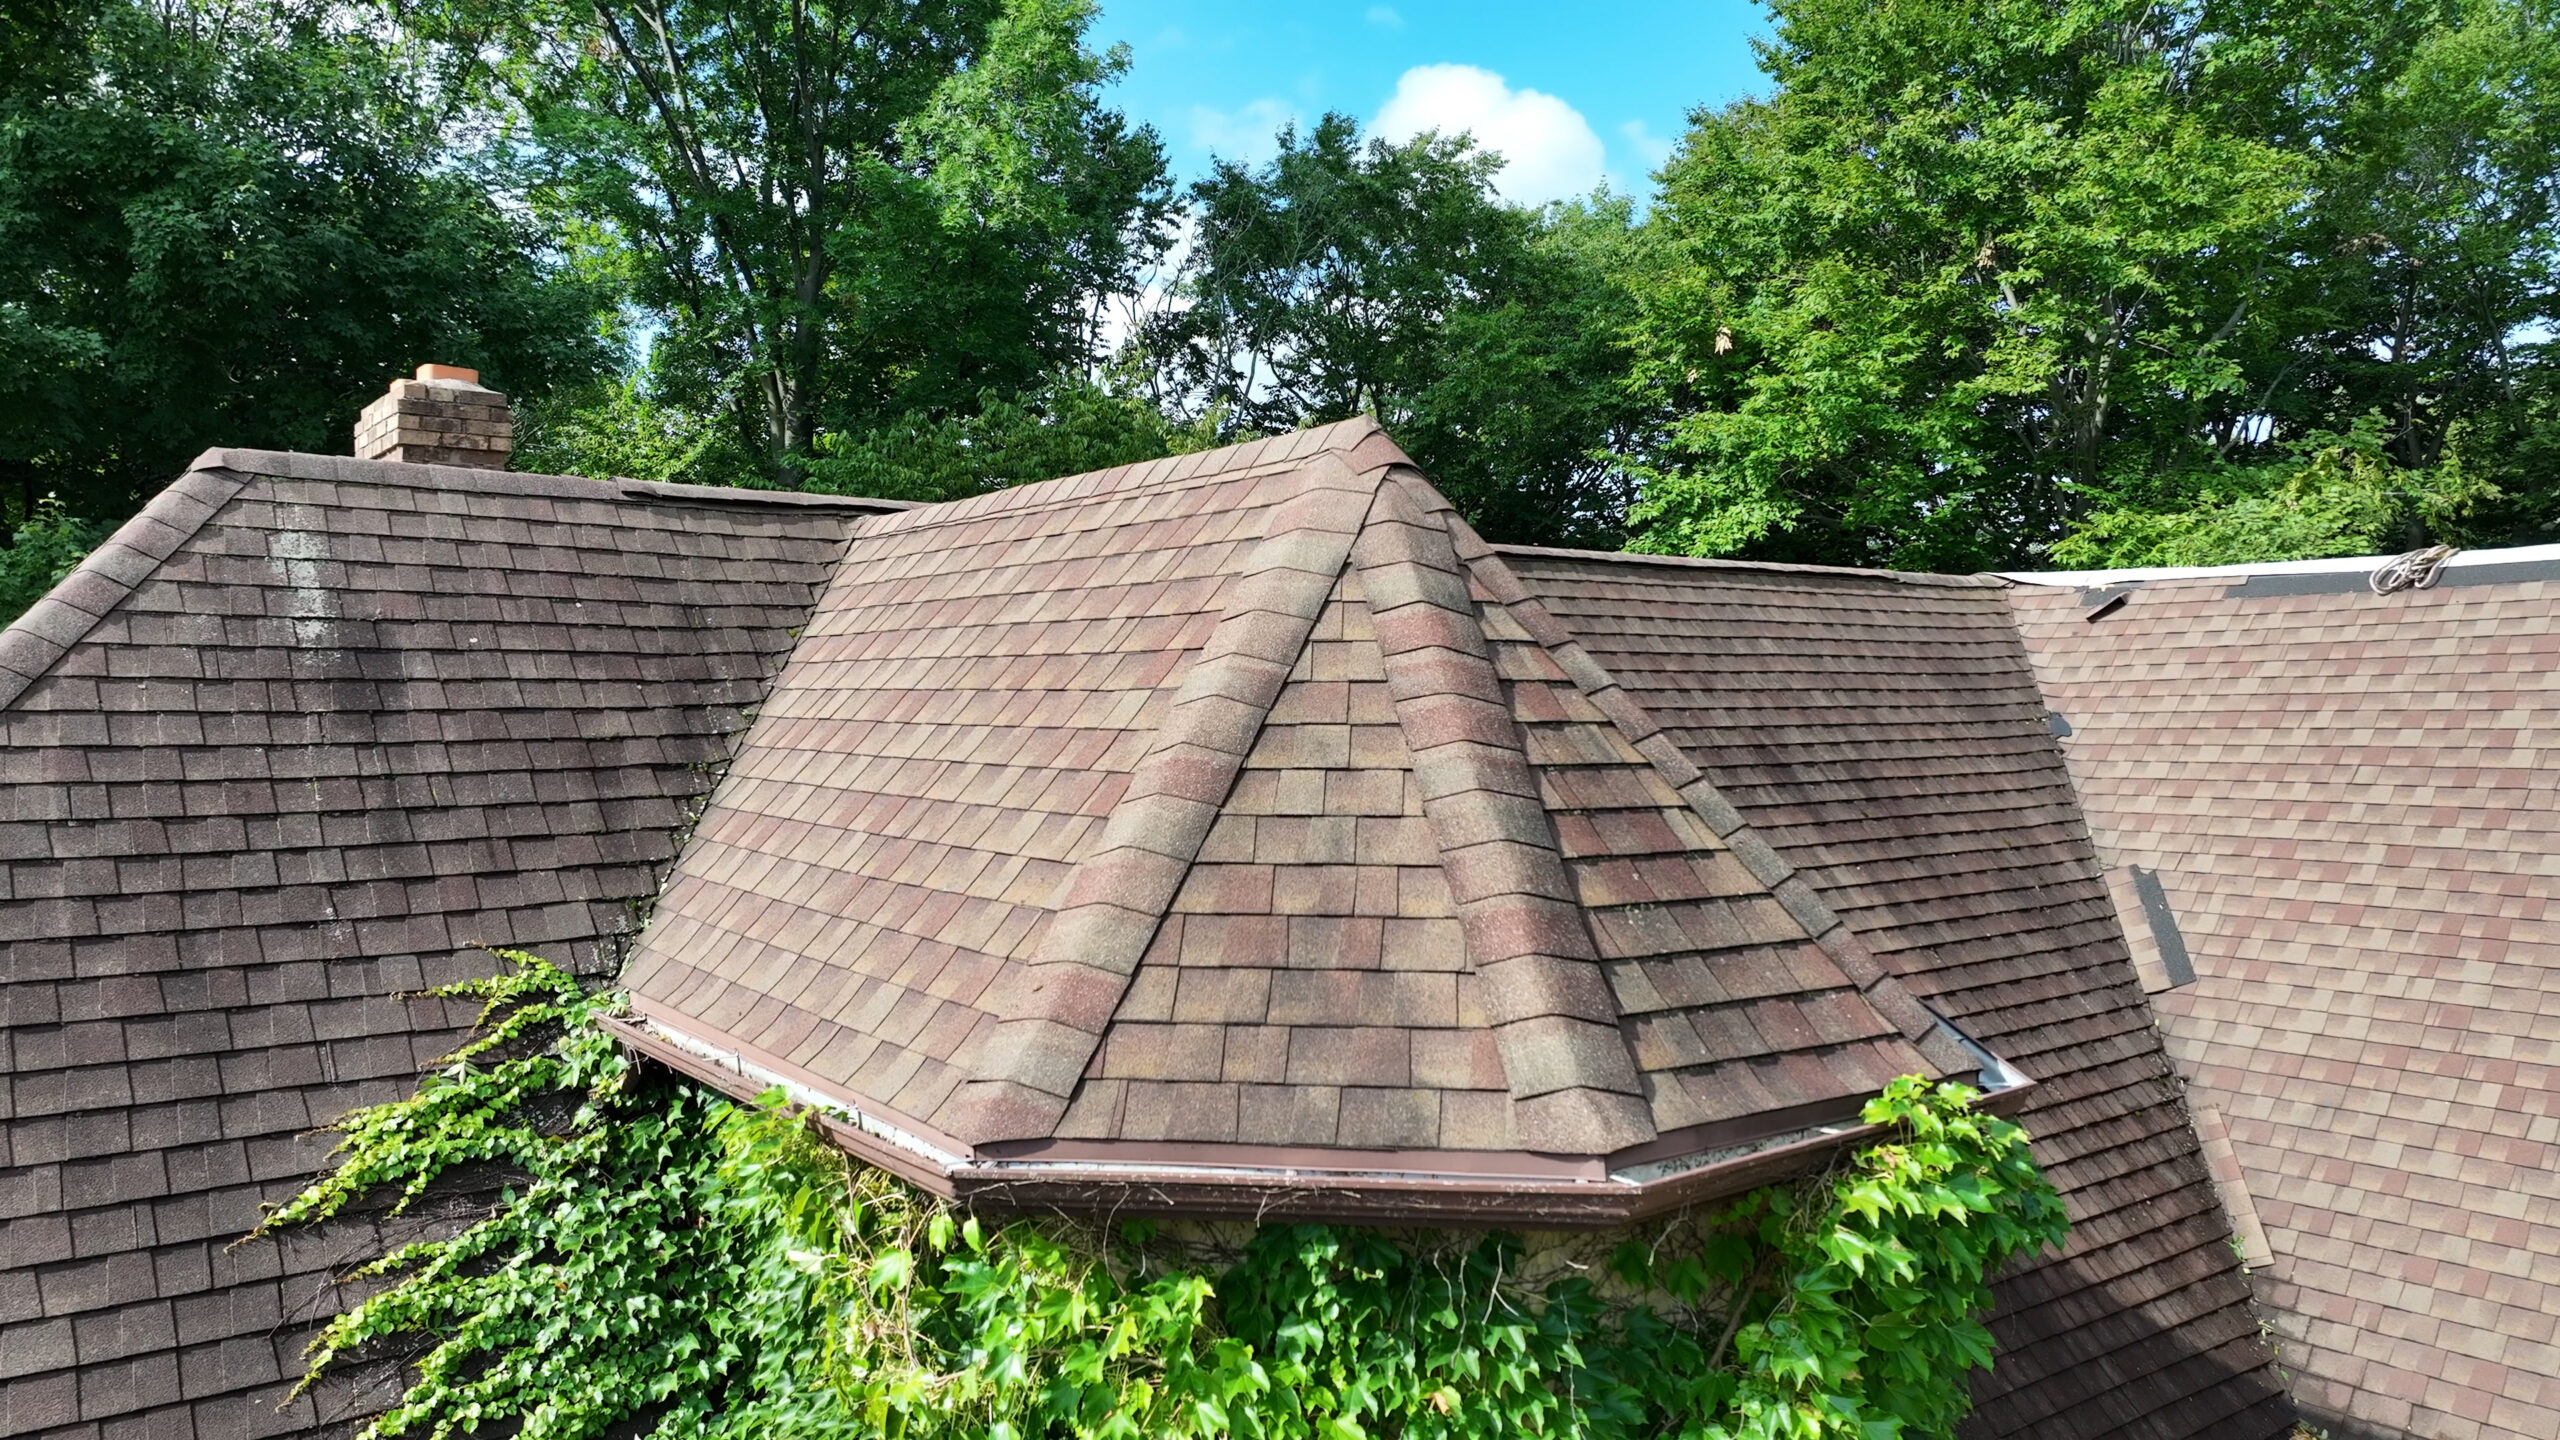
[{"x": 278, "y": 755}]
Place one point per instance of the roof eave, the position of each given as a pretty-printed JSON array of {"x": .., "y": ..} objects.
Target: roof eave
[
  {"x": 1155, "y": 1187},
  {"x": 1368, "y": 1198}
]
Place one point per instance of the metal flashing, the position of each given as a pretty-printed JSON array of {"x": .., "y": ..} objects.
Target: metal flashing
[
  {"x": 1377, "y": 1187},
  {"x": 2357, "y": 582}
]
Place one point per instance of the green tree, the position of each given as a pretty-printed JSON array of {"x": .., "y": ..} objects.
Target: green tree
[
  {"x": 40, "y": 553},
  {"x": 618, "y": 426},
  {"x": 231, "y": 225},
  {"x": 2513, "y": 451},
  {"x": 2433, "y": 238},
  {"x": 831, "y": 212},
  {"x": 1067, "y": 426},
  {"x": 1975, "y": 273},
  {"x": 1528, "y": 411},
  {"x": 1345, "y": 277},
  {"x": 1965, "y": 256},
  {"x": 2325, "y": 494}
]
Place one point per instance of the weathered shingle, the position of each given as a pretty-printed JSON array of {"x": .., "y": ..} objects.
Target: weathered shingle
[
  {"x": 1223, "y": 809},
  {"x": 1886, "y": 736},
  {"x": 292, "y": 744},
  {"x": 1241, "y": 807}
]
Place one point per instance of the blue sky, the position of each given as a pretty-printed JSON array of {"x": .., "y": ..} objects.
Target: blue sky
[{"x": 1571, "y": 93}]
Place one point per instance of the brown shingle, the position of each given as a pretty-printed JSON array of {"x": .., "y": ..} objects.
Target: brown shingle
[
  {"x": 1881, "y": 738},
  {"x": 1216, "y": 802},
  {"x": 321, "y": 759},
  {"x": 2334, "y": 798},
  {"x": 1325, "y": 820}
]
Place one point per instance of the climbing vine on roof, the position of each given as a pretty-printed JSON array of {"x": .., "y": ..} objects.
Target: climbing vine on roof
[{"x": 662, "y": 1261}]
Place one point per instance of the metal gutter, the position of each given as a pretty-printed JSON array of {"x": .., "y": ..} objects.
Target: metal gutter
[
  {"x": 866, "y": 1138},
  {"x": 1388, "y": 1191}
]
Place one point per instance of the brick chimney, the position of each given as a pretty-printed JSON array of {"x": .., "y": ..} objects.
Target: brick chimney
[{"x": 443, "y": 417}]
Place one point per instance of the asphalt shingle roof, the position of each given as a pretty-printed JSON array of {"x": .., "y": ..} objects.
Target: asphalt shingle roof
[
  {"x": 1234, "y": 833},
  {"x": 2349, "y": 805},
  {"x": 281, "y": 754},
  {"x": 1886, "y": 734},
  {"x": 1221, "y": 804}
]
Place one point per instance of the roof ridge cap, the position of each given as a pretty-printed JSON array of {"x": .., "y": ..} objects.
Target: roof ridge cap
[
  {"x": 354, "y": 470},
  {"x": 1361, "y": 433},
  {"x": 1053, "y": 1011},
  {"x": 37, "y": 640},
  {"x": 1937, "y": 1040},
  {"x": 1983, "y": 580},
  {"x": 1360, "y": 443},
  {"x": 1554, "y": 1018}
]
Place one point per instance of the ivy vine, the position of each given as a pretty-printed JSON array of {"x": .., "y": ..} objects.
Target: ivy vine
[{"x": 659, "y": 1260}]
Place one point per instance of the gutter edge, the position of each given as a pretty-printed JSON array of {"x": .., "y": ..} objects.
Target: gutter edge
[{"x": 1349, "y": 1197}]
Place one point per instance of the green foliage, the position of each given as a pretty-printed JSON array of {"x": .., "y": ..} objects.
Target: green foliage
[
  {"x": 47, "y": 546},
  {"x": 2514, "y": 449},
  {"x": 2330, "y": 495},
  {"x": 665, "y": 1262},
  {"x": 1886, "y": 1273},
  {"x": 2432, "y": 242},
  {"x": 1973, "y": 269},
  {"x": 1345, "y": 277},
  {"x": 1318, "y": 283},
  {"x": 832, "y": 213},
  {"x": 1963, "y": 254},
  {"x": 1977, "y": 283},
  {"x": 617, "y": 427},
  {"x": 232, "y": 224},
  {"x": 1067, "y": 427}
]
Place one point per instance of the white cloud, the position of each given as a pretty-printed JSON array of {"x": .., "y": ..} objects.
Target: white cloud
[
  {"x": 1553, "y": 153},
  {"x": 1246, "y": 133},
  {"x": 1652, "y": 149},
  {"x": 1385, "y": 17}
]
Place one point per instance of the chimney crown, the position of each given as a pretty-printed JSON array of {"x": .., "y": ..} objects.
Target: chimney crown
[{"x": 443, "y": 417}]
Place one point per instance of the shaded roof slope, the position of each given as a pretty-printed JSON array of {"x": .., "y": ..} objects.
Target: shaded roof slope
[
  {"x": 2349, "y": 805},
  {"x": 281, "y": 752},
  {"x": 1219, "y": 815},
  {"x": 1885, "y": 734}
]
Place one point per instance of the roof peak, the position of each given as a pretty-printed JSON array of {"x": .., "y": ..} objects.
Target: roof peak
[
  {"x": 1279, "y": 821},
  {"x": 1361, "y": 444}
]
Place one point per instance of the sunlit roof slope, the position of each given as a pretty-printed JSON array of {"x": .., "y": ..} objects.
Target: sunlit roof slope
[
  {"x": 1233, "y": 833},
  {"x": 2331, "y": 819}
]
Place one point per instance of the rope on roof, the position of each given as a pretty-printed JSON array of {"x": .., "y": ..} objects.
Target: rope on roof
[{"x": 2417, "y": 570}]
